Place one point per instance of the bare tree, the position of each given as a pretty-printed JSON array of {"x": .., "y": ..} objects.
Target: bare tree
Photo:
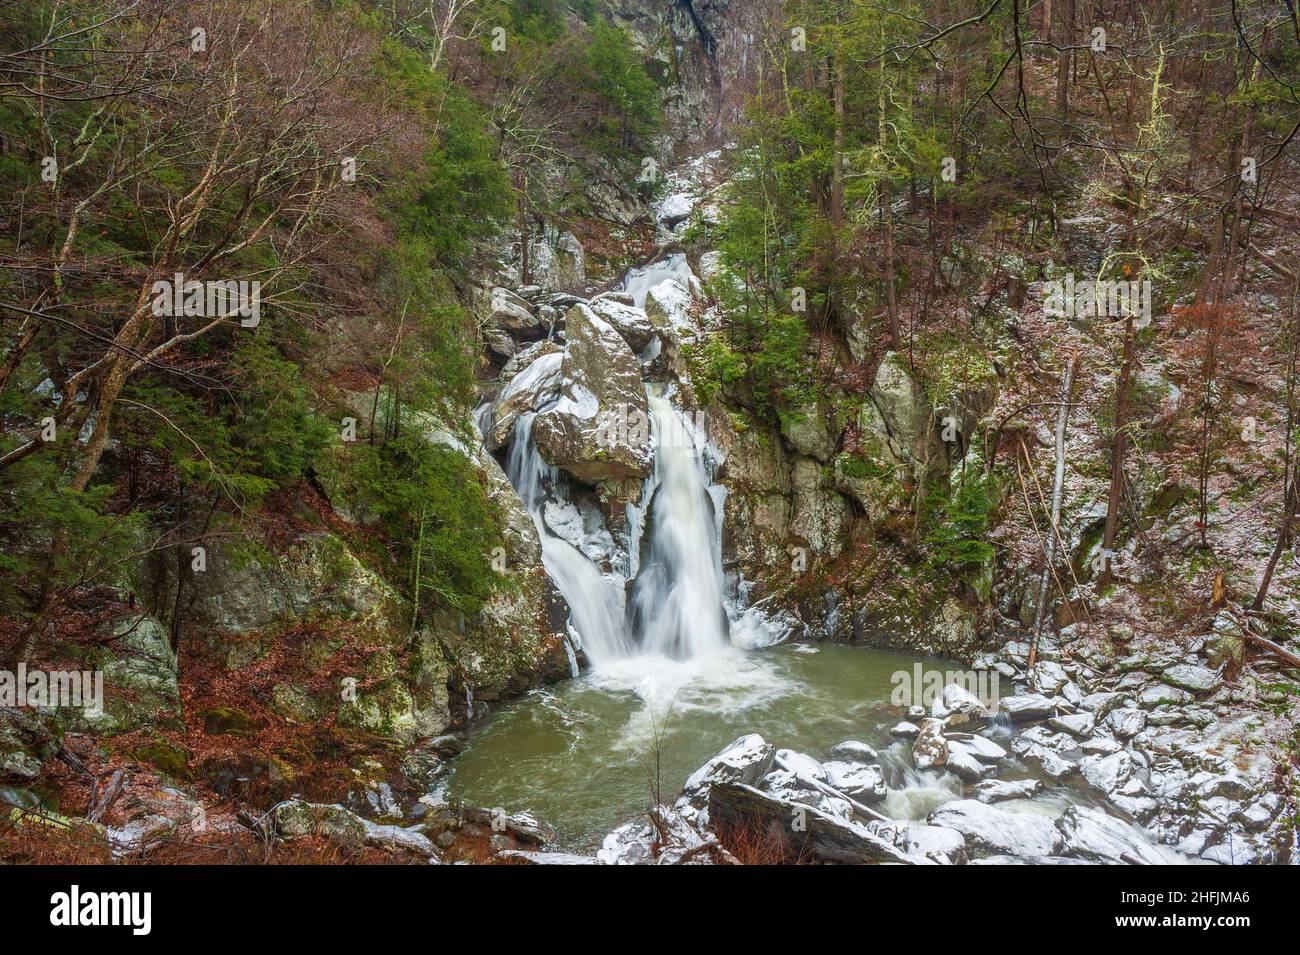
[{"x": 1058, "y": 484}]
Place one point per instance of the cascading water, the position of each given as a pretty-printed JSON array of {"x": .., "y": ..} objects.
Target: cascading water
[
  {"x": 639, "y": 282},
  {"x": 677, "y": 596},
  {"x": 595, "y": 600},
  {"x": 677, "y": 592}
]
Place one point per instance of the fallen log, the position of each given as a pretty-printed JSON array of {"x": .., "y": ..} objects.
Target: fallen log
[
  {"x": 827, "y": 790},
  {"x": 1272, "y": 647},
  {"x": 799, "y": 830},
  {"x": 105, "y": 803}
]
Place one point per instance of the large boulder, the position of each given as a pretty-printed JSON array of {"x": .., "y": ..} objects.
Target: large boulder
[
  {"x": 1194, "y": 679},
  {"x": 995, "y": 831},
  {"x": 795, "y": 830},
  {"x": 819, "y": 514},
  {"x": 998, "y": 790},
  {"x": 806, "y": 431},
  {"x": 297, "y": 819},
  {"x": 1091, "y": 834},
  {"x": 29, "y": 737},
  {"x": 512, "y": 315},
  {"x": 536, "y": 385},
  {"x": 316, "y": 576},
  {"x": 668, "y": 307},
  {"x": 861, "y": 781},
  {"x": 1026, "y": 707},
  {"x": 667, "y": 842},
  {"x": 556, "y": 260},
  {"x": 746, "y": 760},
  {"x": 138, "y": 668},
  {"x": 899, "y": 419},
  {"x": 599, "y": 430},
  {"x": 628, "y": 320},
  {"x": 931, "y": 747},
  {"x": 784, "y": 784},
  {"x": 945, "y": 846},
  {"x": 1109, "y": 773}
]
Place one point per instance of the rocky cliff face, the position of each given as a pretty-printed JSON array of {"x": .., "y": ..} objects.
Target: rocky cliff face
[{"x": 701, "y": 54}]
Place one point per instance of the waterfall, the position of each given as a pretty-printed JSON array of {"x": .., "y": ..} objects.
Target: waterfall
[
  {"x": 677, "y": 591},
  {"x": 639, "y": 282},
  {"x": 677, "y": 596},
  {"x": 595, "y": 601}
]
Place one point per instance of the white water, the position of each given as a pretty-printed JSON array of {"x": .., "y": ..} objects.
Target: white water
[
  {"x": 669, "y": 657},
  {"x": 678, "y": 611},
  {"x": 595, "y": 600},
  {"x": 677, "y": 597},
  {"x": 639, "y": 282}
]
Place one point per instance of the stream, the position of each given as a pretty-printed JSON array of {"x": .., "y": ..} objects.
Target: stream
[{"x": 679, "y": 667}]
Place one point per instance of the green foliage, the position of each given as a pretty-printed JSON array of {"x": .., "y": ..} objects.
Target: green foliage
[
  {"x": 458, "y": 194},
  {"x": 762, "y": 357},
  {"x": 627, "y": 110},
  {"x": 949, "y": 364},
  {"x": 275, "y": 427},
  {"x": 959, "y": 525},
  {"x": 266, "y": 437},
  {"x": 37, "y": 509},
  {"x": 430, "y": 502},
  {"x": 864, "y": 466},
  {"x": 714, "y": 367}
]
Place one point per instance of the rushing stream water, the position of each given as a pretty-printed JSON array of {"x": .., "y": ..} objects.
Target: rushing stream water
[
  {"x": 579, "y": 754},
  {"x": 668, "y": 683}
]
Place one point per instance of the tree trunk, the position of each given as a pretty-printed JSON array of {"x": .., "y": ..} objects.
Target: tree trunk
[
  {"x": 1058, "y": 484},
  {"x": 895, "y": 329},
  {"x": 1117, "y": 458},
  {"x": 1063, "y": 63},
  {"x": 1290, "y": 473}
]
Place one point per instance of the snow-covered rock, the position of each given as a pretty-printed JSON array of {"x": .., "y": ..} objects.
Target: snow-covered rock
[
  {"x": 852, "y": 751},
  {"x": 1093, "y": 835},
  {"x": 945, "y": 846},
  {"x": 963, "y": 763},
  {"x": 1023, "y": 708},
  {"x": 1126, "y": 722},
  {"x": 1108, "y": 773},
  {"x": 638, "y": 843},
  {"x": 1194, "y": 679},
  {"x": 931, "y": 747},
  {"x": 999, "y": 790},
  {"x": 1076, "y": 724},
  {"x": 905, "y": 730},
  {"x": 996, "y": 831},
  {"x": 859, "y": 780},
  {"x": 746, "y": 760},
  {"x": 786, "y": 785}
]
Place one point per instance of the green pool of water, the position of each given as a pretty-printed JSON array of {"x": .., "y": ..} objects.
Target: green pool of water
[{"x": 581, "y": 755}]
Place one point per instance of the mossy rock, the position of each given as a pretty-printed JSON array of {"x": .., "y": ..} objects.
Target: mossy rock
[
  {"x": 386, "y": 710},
  {"x": 295, "y": 702},
  {"x": 316, "y": 653},
  {"x": 252, "y": 776},
  {"x": 28, "y": 739},
  {"x": 229, "y": 721},
  {"x": 162, "y": 753}
]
